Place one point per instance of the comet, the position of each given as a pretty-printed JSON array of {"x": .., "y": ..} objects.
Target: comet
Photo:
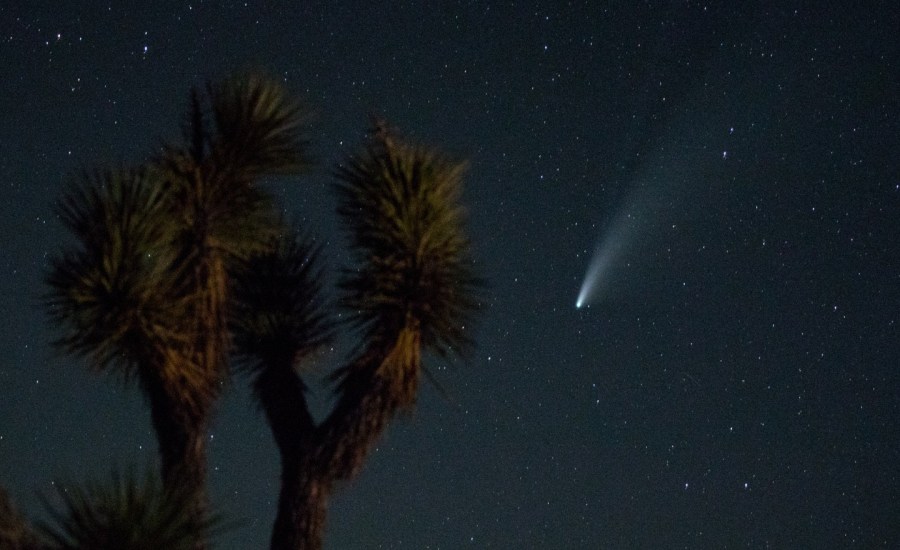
[
  {"x": 676, "y": 179},
  {"x": 609, "y": 250},
  {"x": 616, "y": 242}
]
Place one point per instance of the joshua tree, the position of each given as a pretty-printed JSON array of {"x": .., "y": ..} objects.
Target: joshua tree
[
  {"x": 144, "y": 291},
  {"x": 126, "y": 514},
  {"x": 411, "y": 292},
  {"x": 174, "y": 258}
]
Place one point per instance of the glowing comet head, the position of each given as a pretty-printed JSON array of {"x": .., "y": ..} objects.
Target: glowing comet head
[
  {"x": 596, "y": 272},
  {"x": 589, "y": 287},
  {"x": 609, "y": 251}
]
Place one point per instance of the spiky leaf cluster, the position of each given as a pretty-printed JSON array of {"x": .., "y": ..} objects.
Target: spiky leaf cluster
[
  {"x": 258, "y": 127},
  {"x": 126, "y": 514},
  {"x": 278, "y": 312},
  {"x": 240, "y": 130},
  {"x": 400, "y": 203},
  {"x": 145, "y": 287},
  {"x": 118, "y": 293}
]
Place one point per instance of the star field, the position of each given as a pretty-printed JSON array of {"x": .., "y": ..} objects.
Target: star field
[{"x": 734, "y": 381}]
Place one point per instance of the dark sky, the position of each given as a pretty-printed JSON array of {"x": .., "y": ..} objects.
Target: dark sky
[{"x": 734, "y": 382}]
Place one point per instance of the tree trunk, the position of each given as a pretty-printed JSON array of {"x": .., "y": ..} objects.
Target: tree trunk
[
  {"x": 182, "y": 452},
  {"x": 300, "y": 522},
  {"x": 313, "y": 458},
  {"x": 281, "y": 394},
  {"x": 182, "y": 448},
  {"x": 375, "y": 387},
  {"x": 302, "y": 507}
]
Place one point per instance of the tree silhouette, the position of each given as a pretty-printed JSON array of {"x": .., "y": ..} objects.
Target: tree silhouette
[
  {"x": 144, "y": 291},
  {"x": 125, "y": 514},
  {"x": 412, "y": 291},
  {"x": 181, "y": 263}
]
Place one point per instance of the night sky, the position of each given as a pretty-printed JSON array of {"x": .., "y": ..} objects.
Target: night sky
[{"x": 732, "y": 381}]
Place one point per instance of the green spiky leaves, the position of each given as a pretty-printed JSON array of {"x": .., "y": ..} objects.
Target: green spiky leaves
[
  {"x": 147, "y": 274},
  {"x": 258, "y": 127},
  {"x": 278, "y": 312},
  {"x": 118, "y": 291},
  {"x": 126, "y": 514},
  {"x": 241, "y": 130},
  {"x": 401, "y": 204}
]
